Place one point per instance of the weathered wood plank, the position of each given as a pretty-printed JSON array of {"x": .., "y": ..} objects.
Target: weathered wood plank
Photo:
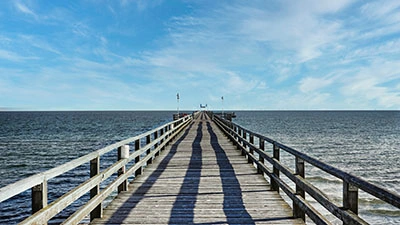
[{"x": 200, "y": 179}]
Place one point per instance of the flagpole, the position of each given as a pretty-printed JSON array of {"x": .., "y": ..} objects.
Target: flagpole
[
  {"x": 222, "y": 98},
  {"x": 177, "y": 99}
]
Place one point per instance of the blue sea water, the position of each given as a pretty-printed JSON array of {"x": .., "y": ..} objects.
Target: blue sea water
[
  {"x": 31, "y": 142},
  {"x": 364, "y": 143}
]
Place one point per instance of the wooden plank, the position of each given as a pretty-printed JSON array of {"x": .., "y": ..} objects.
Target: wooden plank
[{"x": 201, "y": 178}]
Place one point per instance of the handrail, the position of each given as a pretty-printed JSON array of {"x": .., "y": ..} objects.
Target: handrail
[
  {"x": 348, "y": 213},
  {"x": 156, "y": 140}
]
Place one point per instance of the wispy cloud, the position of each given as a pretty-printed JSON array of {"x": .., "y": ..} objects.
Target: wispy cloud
[
  {"x": 310, "y": 84},
  {"x": 25, "y": 9},
  {"x": 141, "y": 4},
  {"x": 377, "y": 82},
  {"x": 297, "y": 26},
  {"x": 12, "y": 56}
]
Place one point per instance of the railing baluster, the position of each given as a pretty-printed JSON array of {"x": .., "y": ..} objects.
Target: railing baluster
[
  {"x": 239, "y": 131},
  {"x": 244, "y": 135},
  {"x": 350, "y": 197},
  {"x": 39, "y": 196},
  {"x": 249, "y": 160},
  {"x": 156, "y": 144},
  {"x": 148, "y": 140},
  {"x": 300, "y": 170},
  {"x": 236, "y": 133},
  {"x": 137, "y": 159},
  {"x": 274, "y": 184},
  {"x": 170, "y": 127},
  {"x": 94, "y": 170},
  {"x": 123, "y": 153},
  {"x": 162, "y": 140},
  {"x": 261, "y": 159}
]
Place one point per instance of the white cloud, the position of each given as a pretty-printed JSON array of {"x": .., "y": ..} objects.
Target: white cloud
[
  {"x": 235, "y": 83},
  {"x": 296, "y": 26},
  {"x": 310, "y": 84},
  {"x": 375, "y": 82},
  {"x": 12, "y": 56},
  {"x": 141, "y": 4},
  {"x": 386, "y": 10},
  {"x": 24, "y": 9},
  {"x": 38, "y": 42}
]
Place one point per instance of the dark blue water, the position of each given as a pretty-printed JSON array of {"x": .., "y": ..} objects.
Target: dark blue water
[{"x": 366, "y": 144}]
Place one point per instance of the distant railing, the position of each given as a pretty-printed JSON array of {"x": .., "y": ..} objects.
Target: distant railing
[
  {"x": 348, "y": 212},
  {"x": 155, "y": 140}
]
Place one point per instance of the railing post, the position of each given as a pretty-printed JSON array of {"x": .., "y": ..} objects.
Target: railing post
[
  {"x": 123, "y": 153},
  {"x": 170, "y": 130},
  {"x": 162, "y": 140},
  {"x": 236, "y": 132},
  {"x": 260, "y": 158},
  {"x": 167, "y": 136},
  {"x": 39, "y": 196},
  {"x": 94, "y": 170},
  {"x": 297, "y": 211},
  {"x": 243, "y": 135},
  {"x": 137, "y": 159},
  {"x": 274, "y": 184},
  {"x": 156, "y": 144},
  {"x": 239, "y": 140},
  {"x": 350, "y": 197},
  {"x": 249, "y": 160},
  {"x": 148, "y": 140}
]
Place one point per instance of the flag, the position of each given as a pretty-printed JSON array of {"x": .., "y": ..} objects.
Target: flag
[{"x": 177, "y": 96}]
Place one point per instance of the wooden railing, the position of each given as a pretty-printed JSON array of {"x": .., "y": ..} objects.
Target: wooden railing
[
  {"x": 155, "y": 140},
  {"x": 347, "y": 212}
]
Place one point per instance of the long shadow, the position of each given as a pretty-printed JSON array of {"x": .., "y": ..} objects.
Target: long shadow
[
  {"x": 233, "y": 202},
  {"x": 119, "y": 217},
  {"x": 183, "y": 207}
]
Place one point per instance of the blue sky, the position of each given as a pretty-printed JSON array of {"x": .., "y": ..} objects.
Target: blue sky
[{"x": 136, "y": 55}]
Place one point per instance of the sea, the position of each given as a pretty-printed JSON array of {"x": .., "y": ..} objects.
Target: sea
[{"x": 363, "y": 143}]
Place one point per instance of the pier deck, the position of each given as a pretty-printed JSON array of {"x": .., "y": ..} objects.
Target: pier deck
[{"x": 199, "y": 179}]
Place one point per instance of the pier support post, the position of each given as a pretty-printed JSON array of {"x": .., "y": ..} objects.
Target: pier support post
[
  {"x": 94, "y": 170},
  {"x": 274, "y": 184},
  {"x": 261, "y": 159},
  {"x": 39, "y": 196},
  {"x": 123, "y": 153},
  {"x": 350, "y": 197},
  {"x": 137, "y": 159},
  {"x": 300, "y": 171}
]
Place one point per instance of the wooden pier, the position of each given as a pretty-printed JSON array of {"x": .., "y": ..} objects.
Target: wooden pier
[
  {"x": 199, "y": 169},
  {"x": 201, "y": 179}
]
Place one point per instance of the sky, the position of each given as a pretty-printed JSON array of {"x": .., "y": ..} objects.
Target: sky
[{"x": 258, "y": 55}]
